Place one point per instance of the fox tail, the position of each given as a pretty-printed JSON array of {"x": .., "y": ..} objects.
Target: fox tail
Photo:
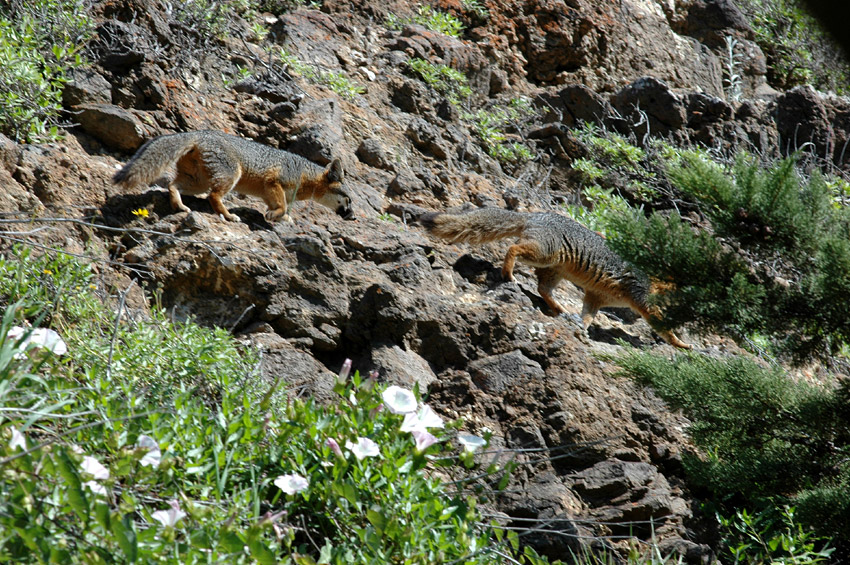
[{"x": 479, "y": 226}]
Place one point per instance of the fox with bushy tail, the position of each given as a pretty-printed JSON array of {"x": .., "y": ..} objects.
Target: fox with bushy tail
[
  {"x": 559, "y": 248},
  {"x": 214, "y": 162}
]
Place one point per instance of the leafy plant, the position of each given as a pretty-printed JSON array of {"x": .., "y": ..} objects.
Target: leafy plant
[
  {"x": 209, "y": 17},
  {"x": 341, "y": 84},
  {"x": 762, "y": 538},
  {"x": 600, "y": 203},
  {"x": 337, "y": 82},
  {"x": 429, "y": 18},
  {"x": 476, "y": 7},
  {"x": 242, "y": 73},
  {"x": 40, "y": 42},
  {"x": 491, "y": 127},
  {"x": 489, "y": 124},
  {"x": 611, "y": 148},
  {"x": 733, "y": 83},
  {"x": 447, "y": 81},
  {"x": 797, "y": 48},
  {"x": 613, "y": 174},
  {"x": 259, "y": 31},
  {"x": 281, "y": 6},
  {"x": 590, "y": 171}
]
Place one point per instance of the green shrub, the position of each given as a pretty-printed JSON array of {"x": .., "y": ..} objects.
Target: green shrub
[
  {"x": 280, "y": 6},
  {"x": 40, "y": 41},
  {"x": 768, "y": 208},
  {"x": 489, "y": 124},
  {"x": 614, "y": 172},
  {"x": 477, "y": 8},
  {"x": 773, "y": 263},
  {"x": 609, "y": 148},
  {"x": 764, "y": 438},
  {"x": 212, "y": 18}
]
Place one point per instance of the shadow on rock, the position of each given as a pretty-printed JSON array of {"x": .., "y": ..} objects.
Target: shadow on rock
[{"x": 118, "y": 211}]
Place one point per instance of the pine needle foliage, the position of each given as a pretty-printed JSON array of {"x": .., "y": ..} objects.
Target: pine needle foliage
[
  {"x": 765, "y": 438},
  {"x": 772, "y": 260}
]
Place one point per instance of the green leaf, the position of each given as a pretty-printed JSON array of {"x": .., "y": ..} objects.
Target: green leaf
[
  {"x": 350, "y": 493},
  {"x": 34, "y": 539},
  {"x": 347, "y": 491},
  {"x": 326, "y": 554},
  {"x": 101, "y": 512},
  {"x": 76, "y": 497},
  {"x": 376, "y": 518},
  {"x": 231, "y": 542},
  {"x": 126, "y": 537},
  {"x": 261, "y": 552}
]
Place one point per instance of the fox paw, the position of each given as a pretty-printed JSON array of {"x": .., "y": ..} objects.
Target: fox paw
[{"x": 275, "y": 215}]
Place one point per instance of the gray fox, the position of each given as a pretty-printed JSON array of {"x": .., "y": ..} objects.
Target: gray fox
[
  {"x": 559, "y": 248},
  {"x": 214, "y": 162}
]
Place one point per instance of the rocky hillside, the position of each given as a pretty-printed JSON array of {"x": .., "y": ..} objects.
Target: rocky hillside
[{"x": 600, "y": 456}]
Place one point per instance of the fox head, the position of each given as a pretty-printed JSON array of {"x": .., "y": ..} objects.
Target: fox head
[{"x": 336, "y": 197}]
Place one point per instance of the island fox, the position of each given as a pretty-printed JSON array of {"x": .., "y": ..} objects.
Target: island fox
[
  {"x": 559, "y": 248},
  {"x": 214, "y": 162}
]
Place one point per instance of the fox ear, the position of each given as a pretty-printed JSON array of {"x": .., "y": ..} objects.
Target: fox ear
[{"x": 334, "y": 171}]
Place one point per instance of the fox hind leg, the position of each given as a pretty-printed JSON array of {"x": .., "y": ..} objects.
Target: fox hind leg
[
  {"x": 191, "y": 177},
  {"x": 528, "y": 251},
  {"x": 590, "y": 307},
  {"x": 547, "y": 279}
]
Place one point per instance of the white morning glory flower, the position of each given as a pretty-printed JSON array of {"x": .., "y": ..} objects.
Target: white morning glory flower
[
  {"x": 95, "y": 487},
  {"x": 43, "y": 338},
  {"x": 423, "y": 439},
  {"x": 471, "y": 442},
  {"x": 153, "y": 455},
  {"x": 169, "y": 517},
  {"x": 399, "y": 400},
  {"x": 423, "y": 419},
  {"x": 291, "y": 484},
  {"x": 18, "y": 440},
  {"x": 364, "y": 447},
  {"x": 93, "y": 467}
]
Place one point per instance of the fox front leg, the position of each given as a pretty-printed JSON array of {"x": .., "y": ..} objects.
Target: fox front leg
[{"x": 275, "y": 197}]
